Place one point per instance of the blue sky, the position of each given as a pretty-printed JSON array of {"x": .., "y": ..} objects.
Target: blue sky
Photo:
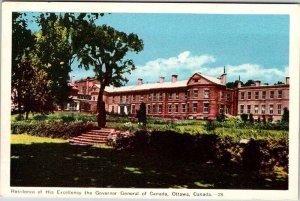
[{"x": 252, "y": 46}]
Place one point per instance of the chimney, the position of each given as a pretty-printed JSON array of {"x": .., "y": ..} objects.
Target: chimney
[
  {"x": 257, "y": 83},
  {"x": 161, "y": 80},
  {"x": 239, "y": 84},
  {"x": 140, "y": 81},
  {"x": 73, "y": 80},
  {"x": 223, "y": 77},
  {"x": 174, "y": 78},
  {"x": 287, "y": 80}
]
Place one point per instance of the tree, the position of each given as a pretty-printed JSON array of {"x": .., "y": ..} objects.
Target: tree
[
  {"x": 285, "y": 115},
  {"x": 251, "y": 119},
  {"x": 29, "y": 79},
  {"x": 233, "y": 85},
  {"x": 58, "y": 43},
  {"x": 278, "y": 83},
  {"x": 141, "y": 114},
  {"x": 32, "y": 86},
  {"x": 244, "y": 117},
  {"x": 249, "y": 83},
  {"x": 105, "y": 49}
]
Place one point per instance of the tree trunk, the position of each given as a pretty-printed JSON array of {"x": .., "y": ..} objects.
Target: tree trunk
[{"x": 101, "y": 117}]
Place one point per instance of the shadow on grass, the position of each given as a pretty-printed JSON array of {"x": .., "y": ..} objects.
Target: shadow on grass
[{"x": 64, "y": 165}]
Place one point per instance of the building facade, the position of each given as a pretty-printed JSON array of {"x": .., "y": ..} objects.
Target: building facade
[{"x": 200, "y": 97}]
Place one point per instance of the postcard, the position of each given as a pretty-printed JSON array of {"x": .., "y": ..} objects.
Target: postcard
[{"x": 150, "y": 100}]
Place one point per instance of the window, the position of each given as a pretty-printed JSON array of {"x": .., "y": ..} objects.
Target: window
[
  {"x": 248, "y": 109},
  {"x": 256, "y": 109},
  {"x": 227, "y": 97},
  {"x": 121, "y": 99},
  {"x": 94, "y": 98},
  {"x": 242, "y": 95},
  {"x": 221, "y": 95},
  {"x": 160, "y": 96},
  {"x": 279, "y": 93},
  {"x": 256, "y": 95},
  {"x": 271, "y": 109},
  {"x": 153, "y": 108},
  {"x": 249, "y": 95},
  {"x": 183, "y": 107},
  {"x": 170, "y": 96},
  {"x": 221, "y": 109},
  {"x": 154, "y": 96},
  {"x": 177, "y": 96},
  {"x": 186, "y": 94},
  {"x": 188, "y": 107},
  {"x": 176, "y": 108},
  {"x": 127, "y": 99},
  {"x": 206, "y": 93},
  {"x": 169, "y": 108},
  {"x": 73, "y": 106},
  {"x": 132, "y": 109},
  {"x": 195, "y": 107},
  {"x": 133, "y": 97},
  {"x": 278, "y": 108},
  {"x": 205, "y": 107},
  {"x": 159, "y": 108},
  {"x": 271, "y": 94},
  {"x": 195, "y": 93},
  {"x": 263, "y": 96},
  {"x": 142, "y": 98},
  {"x": 149, "y": 97},
  {"x": 148, "y": 109},
  {"x": 113, "y": 99},
  {"x": 263, "y": 109},
  {"x": 241, "y": 109}
]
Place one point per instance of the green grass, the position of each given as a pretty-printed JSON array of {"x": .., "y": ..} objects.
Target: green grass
[
  {"x": 47, "y": 162},
  {"x": 29, "y": 139}
]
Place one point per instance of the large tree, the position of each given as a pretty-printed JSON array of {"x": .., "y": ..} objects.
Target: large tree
[
  {"x": 29, "y": 80},
  {"x": 58, "y": 41},
  {"x": 105, "y": 51}
]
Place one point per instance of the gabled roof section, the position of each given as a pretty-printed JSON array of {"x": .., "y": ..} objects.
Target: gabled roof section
[
  {"x": 143, "y": 87},
  {"x": 208, "y": 79}
]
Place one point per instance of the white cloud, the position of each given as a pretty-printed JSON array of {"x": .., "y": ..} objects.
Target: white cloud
[{"x": 186, "y": 64}]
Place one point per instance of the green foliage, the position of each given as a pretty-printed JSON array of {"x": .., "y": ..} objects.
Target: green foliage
[
  {"x": 251, "y": 119},
  {"x": 233, "y": 85},
  {"x": 253, "y": 155},
  {"x": 50, "y": 129},
  {"x": 220, "y": 117},
  {"x": 244, "y": 117},
  {"x": 105, "y": 48},
  {"x": 248, "y": 83},
  {"x": 141, "y": 115},
  {"x": 211, "y": 125},
  {"x": 285, "y": 115}
]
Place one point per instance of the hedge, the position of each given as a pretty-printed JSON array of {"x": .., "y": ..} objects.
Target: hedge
[
  {"x": 252, "y": 155},
  {"x": 51, "y": 128}
]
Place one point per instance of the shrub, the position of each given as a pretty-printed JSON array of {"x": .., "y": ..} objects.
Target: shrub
[
  {"x": 210, "y": 125},
  {"x": 40, "y": 117},
  {"x": 220, "y": 117},
  {"x": 50, "y": 129},
  {"x": 19, "y": 117},
  {"x": 251, "y": 119},
  {"x": 285, "y": 115},
  {"x": 244, "y": 117}
]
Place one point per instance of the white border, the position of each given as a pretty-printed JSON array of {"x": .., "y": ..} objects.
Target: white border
[{"x": 294, "y": 63}]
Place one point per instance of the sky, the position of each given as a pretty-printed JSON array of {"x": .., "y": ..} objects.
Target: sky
[{"x": 252, "y": 46}]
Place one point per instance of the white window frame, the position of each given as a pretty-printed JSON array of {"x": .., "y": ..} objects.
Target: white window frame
[
  {"x": 271, "y": 109},
  {"x": 206, "y": 93},
  {"x": 242, "y": 108},
  {"x": 206, "y": 109},
  {"x": 279, "y": 109},
  {"x": 170, "y": 108},
  {"x": 160, "y": 108},
  {"x": 195, "y": 90},
  {"x": 183, "y": 107},
  {"x": 176, "y": 108}
]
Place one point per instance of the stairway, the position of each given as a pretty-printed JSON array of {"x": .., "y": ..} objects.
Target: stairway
[{"x": 93, "y": 137}]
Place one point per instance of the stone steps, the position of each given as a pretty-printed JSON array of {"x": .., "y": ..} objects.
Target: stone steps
[{"x": 93, "y": 137}]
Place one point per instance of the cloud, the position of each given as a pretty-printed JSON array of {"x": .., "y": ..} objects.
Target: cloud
[
  {"x": 186, "y": 64},
  {"x": 183, "y": 65}
]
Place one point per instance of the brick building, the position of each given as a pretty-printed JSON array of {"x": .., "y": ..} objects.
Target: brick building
[{"x": 200, "y": 97}]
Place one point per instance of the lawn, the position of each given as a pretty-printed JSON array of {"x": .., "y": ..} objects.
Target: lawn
[{"x": 39, "y": 161}]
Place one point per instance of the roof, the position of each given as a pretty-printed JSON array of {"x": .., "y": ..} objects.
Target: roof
[
  {"x": 164, "y": 85},
  {"x": 111, "y": 89},
  {"x": 212, "y": 79}
]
